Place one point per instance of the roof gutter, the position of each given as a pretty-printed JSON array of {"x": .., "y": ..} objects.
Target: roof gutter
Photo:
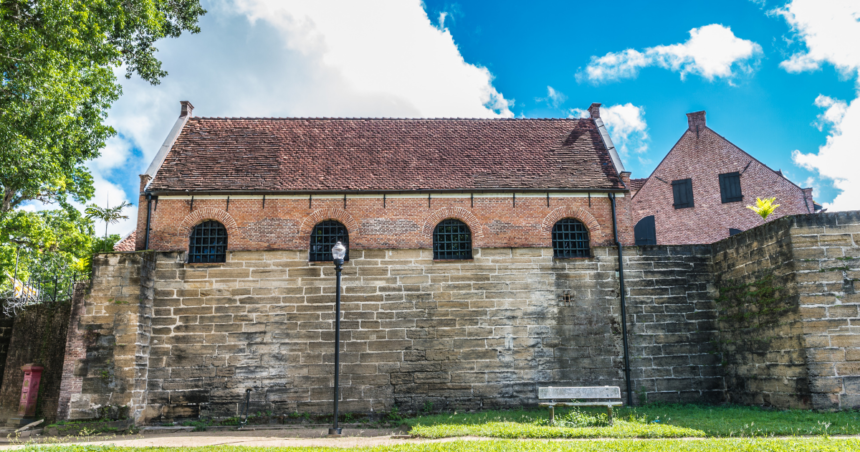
[
  {"x": 604, "y": 134},
  {"x": 368, "y": 192},
  {"x": 185, "y": 114}
]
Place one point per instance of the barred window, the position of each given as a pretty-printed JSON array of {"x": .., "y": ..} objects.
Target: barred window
[
  {"x": 323, "y": 238},
  {"x": 570, "y": 239},
  {"x": 452, "y": 239},
  {"x": 208, "y": 243}
]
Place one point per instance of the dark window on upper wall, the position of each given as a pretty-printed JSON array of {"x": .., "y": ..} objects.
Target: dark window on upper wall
[
  {"x": 208, "y": 243},
  {"x": 323, "y": 238},
  {"x": 730, "y": 187},
  {"x": 452, "y": 239},
  {"x": 570, "y": 239},
  {"x": 683, "y": 192},
  {"x": 733, "y": 231}
]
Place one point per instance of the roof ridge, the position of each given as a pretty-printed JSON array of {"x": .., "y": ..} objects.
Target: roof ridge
[{"x": 299, "y": 118}]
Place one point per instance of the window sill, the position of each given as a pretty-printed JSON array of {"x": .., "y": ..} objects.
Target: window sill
[
  {"x": 572, "y": 258},
  {"x": 733, "y": 200},
  {"x": 204, "y": 264},
  {"x": 454, "y": 260},
  {"x": 682, "y": 207}
]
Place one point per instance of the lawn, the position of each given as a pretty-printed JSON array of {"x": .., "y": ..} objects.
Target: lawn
[
  {"x": 653, "y": 421},
  {"x": 704, "y": 445}
]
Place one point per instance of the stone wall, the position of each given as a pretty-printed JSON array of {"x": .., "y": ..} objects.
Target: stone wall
[
  {"x": 672, "y": 319},
  {"x": 458, "y": 335},
  {"x": 789, "y": 323},
  {"x": 768, "y": 317},
  {"x": 108, "y": 377}
]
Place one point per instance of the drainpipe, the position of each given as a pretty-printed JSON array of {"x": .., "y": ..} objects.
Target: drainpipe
[
  {"x": 623, "y": 303},
  {"x": 148, "y": 217}
]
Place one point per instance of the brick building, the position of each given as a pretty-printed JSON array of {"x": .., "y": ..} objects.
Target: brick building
[
  {"x": 482, "y": 266},
  {"x": 699, "y": 192}
]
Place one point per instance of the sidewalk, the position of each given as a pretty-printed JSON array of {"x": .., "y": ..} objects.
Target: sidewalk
[{"x": 264, "y": 438}]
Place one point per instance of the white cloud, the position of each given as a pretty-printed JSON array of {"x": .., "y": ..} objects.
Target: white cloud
[
  {"x": 553, "y": 97},
  {"x": 712, "y": 52},
  {"x": 305, "y": 58},
  {"x": 830, "y": 31},
  {"x": 626, "y": 125},
  {"x": 839, "y": 158},
  {"x": 263, "y": 58}
]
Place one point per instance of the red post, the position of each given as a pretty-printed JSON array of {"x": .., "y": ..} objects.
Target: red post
[{"x": 30, "y": 391}]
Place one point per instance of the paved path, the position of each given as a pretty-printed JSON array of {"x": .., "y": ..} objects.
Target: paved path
[{"x": 264, "y": 438}]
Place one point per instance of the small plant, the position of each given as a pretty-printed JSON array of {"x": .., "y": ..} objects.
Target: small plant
[
  {"x": 643, "y": 396},
  {"x": 348, "y": 418},
  {"x": 428, "y": 407},
  {"x": 394, "y": 415},
  {"x": 764, "y": 207}
]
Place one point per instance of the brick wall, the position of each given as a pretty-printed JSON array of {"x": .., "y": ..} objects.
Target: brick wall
[
  {"x": 374, "y": 222},
  {"x": 703, "y": 155},
  {"x": 462, "y": 335},
  {"x": 38, "y": 337}
]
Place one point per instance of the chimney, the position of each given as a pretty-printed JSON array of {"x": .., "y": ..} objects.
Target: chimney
[
  {"x": 187, "y": 108},
  {"x": 594, "y": 110},
  {"x": 144, "y": 179},
  {"x": 696, "y": 120}
]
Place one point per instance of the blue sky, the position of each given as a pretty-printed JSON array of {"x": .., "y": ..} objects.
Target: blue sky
[{"x": 776, "y": 78}]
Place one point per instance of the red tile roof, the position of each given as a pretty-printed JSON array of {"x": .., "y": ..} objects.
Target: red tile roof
[
  {"x": 386, "y": 154},
  {"x": 126, "y": 244},
  {"x": 636, "y": 184}
]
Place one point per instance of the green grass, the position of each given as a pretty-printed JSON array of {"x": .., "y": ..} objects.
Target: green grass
[
  {"x": 654, "y": 421},
  {"x": 705, "y": 445}
]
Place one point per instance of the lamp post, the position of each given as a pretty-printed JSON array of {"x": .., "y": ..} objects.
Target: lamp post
[{"x": 338, "y": 252}]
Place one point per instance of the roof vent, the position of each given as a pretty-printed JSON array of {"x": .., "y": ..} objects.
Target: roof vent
[
  {"x": 696, "y": 120},
  {"x": 594, "y": 110}
]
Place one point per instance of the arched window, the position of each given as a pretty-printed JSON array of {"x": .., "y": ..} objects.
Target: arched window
[
  {"x": 208, "y": 243},
  {"x": 570, "y": 239},
  {"x": 324, "y": 236},
  {"x": 452, "y": 239}
]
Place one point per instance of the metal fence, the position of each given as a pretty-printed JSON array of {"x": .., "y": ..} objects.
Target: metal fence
[{"x": 44, "y": 280}]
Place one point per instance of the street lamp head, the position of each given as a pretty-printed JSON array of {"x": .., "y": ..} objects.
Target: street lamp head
[{"x": 338, "y": 251}]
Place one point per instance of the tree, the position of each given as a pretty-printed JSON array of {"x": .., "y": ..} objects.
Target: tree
[
  {"x": 60, "y": 235},
  {"x": 57, "y": 62},
  {"x": 110, "y": 215},
  {"x": 764, "y": 207}
]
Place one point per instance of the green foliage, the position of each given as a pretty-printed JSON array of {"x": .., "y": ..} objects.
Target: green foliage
[
  {"x": 109, "y": 215},
  {"x": 48, "y": 238},
  {"x": 394, "y": 415},
  {"x": 702, "y": 445},
  {"x": 764, "y": 207},
  {"x": 728, "y": 421},
  {"x": 57, "y": 82}
]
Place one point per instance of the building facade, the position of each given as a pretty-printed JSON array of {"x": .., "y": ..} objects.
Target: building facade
[{"x": 699, "y": 192}]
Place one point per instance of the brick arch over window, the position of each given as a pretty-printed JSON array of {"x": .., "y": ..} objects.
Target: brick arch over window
[
  {"x": 327, "y": 214},
  {"x": 460, "y": 214},
  {"x": 209, "y": 213},
  {"x": 576, "y": 213}
]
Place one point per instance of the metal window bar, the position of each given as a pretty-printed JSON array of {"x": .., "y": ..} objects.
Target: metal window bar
[
  {"x": 208, "y": 243},
  {"x": 452, "y": 240},
  {"x": 324, "y": 236},
  {"x": 570, "y": 239}
]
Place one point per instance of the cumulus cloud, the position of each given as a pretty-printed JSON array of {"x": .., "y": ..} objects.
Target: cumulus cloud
[
  {"x": 553, "y": 97},
  {"x": 830, "y": 30},
  {"x": 262, "y": 58},
  {"x": 839, "y": 158},
  {"x": 626, "y": 125},
  {"x": 712, "y": 52}
]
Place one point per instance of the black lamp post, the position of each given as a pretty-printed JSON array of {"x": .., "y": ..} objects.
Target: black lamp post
[{"x": 338, "y": 252}]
